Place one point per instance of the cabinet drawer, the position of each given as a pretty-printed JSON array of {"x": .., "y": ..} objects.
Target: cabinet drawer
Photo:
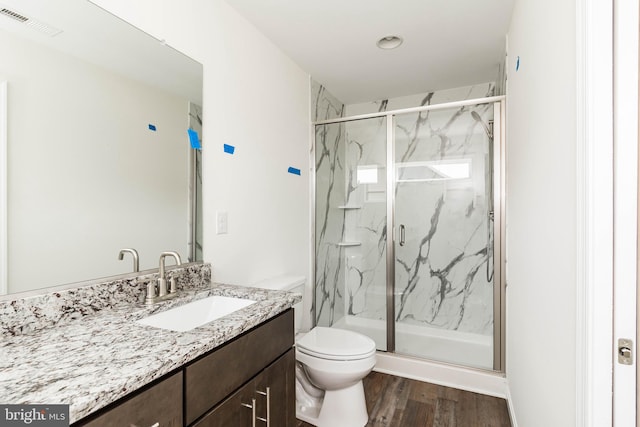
[
  {"x": 162, "y": 404},
  {"x": 212, "y": 378}
]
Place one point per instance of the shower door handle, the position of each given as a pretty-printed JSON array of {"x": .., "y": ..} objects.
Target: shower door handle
[{"x": 401, "y": 234}]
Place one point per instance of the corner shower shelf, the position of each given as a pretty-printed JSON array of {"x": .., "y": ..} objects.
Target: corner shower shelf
[
  {"x": 349, "y": 243},
  {"x": 349, "y": 207}
]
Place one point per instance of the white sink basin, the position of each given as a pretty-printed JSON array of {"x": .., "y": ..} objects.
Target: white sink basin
[{"x": 194, "y": 314}]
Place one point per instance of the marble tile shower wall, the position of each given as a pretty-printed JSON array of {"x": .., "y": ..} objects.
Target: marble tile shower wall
[
  {"x": 440, "y": 278},
  {"x": 443, "y": 270},
  {"x": 24, "y": 315},
  {"x": 330, "y": 192},
  {"x": 421, "y": 99},
  {"x": 367, "y": 222}
]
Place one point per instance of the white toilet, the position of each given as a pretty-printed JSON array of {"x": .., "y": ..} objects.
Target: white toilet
[{"x": 331, "y": 365}]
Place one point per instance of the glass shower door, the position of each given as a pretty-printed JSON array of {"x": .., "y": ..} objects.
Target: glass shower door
[
  {"x": 351, "y": 226},
  {"x": 443, "y": 287}
]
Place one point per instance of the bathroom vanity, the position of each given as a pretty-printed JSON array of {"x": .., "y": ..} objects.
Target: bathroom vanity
[
  {"x": 250, "y": 377},
  {"x": 84, "y": 347}
]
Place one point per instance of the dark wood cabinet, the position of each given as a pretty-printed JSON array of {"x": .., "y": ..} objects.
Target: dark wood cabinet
[
  {"x": 219, "y": 388},
  {"x": 267, "y": 400},
  {"x": 213, "y": 377},
  {"x": 280, "y": 377},
  {"x": 160, "y": 405}
]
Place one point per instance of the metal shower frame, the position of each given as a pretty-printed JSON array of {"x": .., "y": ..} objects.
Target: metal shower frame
[{"x": 499, "y": 157}]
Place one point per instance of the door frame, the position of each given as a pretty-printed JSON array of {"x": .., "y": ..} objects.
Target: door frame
[
  {"x": 500, "y": 230},
  {"x": 595, "y": 212},
  {"x": 625, "y": 217}
]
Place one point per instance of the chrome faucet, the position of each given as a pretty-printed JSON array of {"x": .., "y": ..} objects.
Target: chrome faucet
[
  {"x": 136, "y": 258},
  {"x": 163, "y": 293}
]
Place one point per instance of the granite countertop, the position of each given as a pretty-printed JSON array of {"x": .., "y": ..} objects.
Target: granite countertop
[{"x": 93, "y": 361}]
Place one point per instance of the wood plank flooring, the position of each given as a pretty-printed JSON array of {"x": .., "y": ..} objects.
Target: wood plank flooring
[{"x": 400, "y": 402}]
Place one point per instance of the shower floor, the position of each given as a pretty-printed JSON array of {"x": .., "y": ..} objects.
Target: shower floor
[{"x": 459, "y": 348}]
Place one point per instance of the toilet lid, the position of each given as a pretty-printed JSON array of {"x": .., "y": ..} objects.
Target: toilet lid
[{"x": 336, "y": 344}]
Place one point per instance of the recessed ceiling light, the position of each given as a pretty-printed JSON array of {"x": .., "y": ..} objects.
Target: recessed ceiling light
[{"x": 389, "y": 42}]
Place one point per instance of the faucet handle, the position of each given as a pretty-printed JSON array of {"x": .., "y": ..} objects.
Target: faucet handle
[
  {"x": 151, "y": 293},
  {"x": 162, "y": 286},
  {"x": 172, "y": 285}
]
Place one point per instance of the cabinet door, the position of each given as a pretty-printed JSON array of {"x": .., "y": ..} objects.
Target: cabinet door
[
  {"x": 236, "y": 411},
  {"x": 280, "y": 378}
]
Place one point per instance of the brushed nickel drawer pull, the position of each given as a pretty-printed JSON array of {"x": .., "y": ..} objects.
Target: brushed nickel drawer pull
[
  {"x": 268, "y": 395},
  {"x": 252, "y": 406}
]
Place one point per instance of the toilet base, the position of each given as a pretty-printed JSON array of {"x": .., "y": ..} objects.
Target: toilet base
[
  {"x": 340, "y": 408},
  {"x": 307, "y": 414}
]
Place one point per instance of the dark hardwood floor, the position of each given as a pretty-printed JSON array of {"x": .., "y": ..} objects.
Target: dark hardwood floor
[{"x": 400, "y": 402}]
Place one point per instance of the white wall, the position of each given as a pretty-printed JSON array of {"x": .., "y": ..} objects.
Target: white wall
[
  {"x": 86, "y": 177},
  {"x": 541, "y": 213},
  {"x": 256, "y": 99}
]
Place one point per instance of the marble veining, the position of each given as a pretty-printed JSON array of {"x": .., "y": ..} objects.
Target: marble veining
[
  {"x": 443, "y": 271},
  {"x": 92, "y": 363},
  {"x": 25, "y": 315},
  {"x": 330, "y": 192},
  {"x": 422, "y": 99},
  {"x": 366, "y": 271}
]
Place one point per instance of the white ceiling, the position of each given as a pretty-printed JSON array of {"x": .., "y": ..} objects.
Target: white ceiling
[
  {"x": 96, "y": 36},
  {"x": 447, "y": 43}
]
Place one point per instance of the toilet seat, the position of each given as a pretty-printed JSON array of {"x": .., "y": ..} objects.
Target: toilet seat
[{"x": 336, "y": 344}]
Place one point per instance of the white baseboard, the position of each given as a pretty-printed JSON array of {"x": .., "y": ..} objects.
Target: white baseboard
[{"x": 491, "y": 384}]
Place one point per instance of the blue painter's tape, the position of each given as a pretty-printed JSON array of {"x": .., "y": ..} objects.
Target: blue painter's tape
[
  {"x": 229, "y": 148},
  {"x": 518, "y": 63},
  {"x": 294, "y": 171},
  {"x": 194, "y": 139},
  {"x": 152, "y": 127}
]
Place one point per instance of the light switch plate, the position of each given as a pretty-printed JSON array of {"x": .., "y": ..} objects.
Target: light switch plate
[{"x": 221, "y": 222}]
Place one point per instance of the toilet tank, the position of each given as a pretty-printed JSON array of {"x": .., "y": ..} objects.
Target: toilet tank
[{"x": 290, "y": 284}]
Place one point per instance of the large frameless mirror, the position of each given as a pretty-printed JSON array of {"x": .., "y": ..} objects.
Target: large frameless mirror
[{"x": 96, "y": 142}]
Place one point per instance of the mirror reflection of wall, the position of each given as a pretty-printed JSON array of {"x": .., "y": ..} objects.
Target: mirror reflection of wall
[
  {"x": 97, "y": 161},
  {"x": 195, "y": 186}
]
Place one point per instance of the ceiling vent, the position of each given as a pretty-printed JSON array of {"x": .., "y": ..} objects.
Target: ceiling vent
[
  {"x": 13, "y": 15},
  {"x": 30, "y": 22}
]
